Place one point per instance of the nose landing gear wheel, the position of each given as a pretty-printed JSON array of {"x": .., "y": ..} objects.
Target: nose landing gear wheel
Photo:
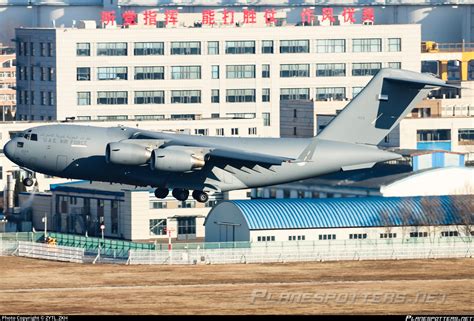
[
  {"x": 200, "y": 196},
  {"x": 28, "y": 182},
  {"x": 180, "y": 194},
  {"x": 161, "y": 192}
]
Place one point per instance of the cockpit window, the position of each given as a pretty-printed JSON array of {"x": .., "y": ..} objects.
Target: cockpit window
[
  {"x": 27, "y": 136},
  {"x": 34, "y": 137}
]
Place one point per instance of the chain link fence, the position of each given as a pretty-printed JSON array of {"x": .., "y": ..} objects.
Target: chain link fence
[{"x": 306, "y": 251}]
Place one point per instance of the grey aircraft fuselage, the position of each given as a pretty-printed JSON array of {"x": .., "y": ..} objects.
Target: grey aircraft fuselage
[{"x": 78, "y": 152}]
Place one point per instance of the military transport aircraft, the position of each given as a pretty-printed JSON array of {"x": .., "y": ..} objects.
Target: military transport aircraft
[{"x": 216, "y": 164}]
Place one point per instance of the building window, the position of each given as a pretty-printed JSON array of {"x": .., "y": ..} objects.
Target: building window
[
  {"x": 149, "y": 73},
  {"x": 357, "y": 236},
  {"x": 240, "y": 95},
  {"x": 388, "y": 235},
  {"x": 186, "y": 72},
  {"x": 430, "y": 135},
  {"x": 51, "y": 98},
  {"x": 239, "y": 47},
  {"x": 297, "y": 70},
  {"x": 267, "y": 46},
  {"x": 394, "y": 44},
  {"x": 185, "y": 96},
  {"x": 202, "y": 132},
  {"x": 213, "y": 48},
  {"x": 112, "y": 118},
  {"x": 186, "y": 48},
  {"x": 265, "y": 71},
  {"x": 265, "y": 238},
  {"x": 114, "y": 214},
  {"x": 50, "y": 49},
  {"x": 331, "y": 93},
  {"x": 149, "y": 117},
  {"x": 43, "y": 49},
  {"x": 418, "y": 234},
  {"x": 265, "y": 95},
  {"x": 149, "y": 49},
  {"x": 32, "y": 95},
  {"x": 294, "y": 46},
  {"x": 240, "y": 71},
  {"x": 394, "y": 65},
  {"x": 111, "y": 49},
  {"x": 266, "y": 119},
  {"x": 43, "y": 72},
  {"x": 466, "y": 136},
  {"x": 294, "y": 94},
  {"x": 449, "y": 233},
  {"x": 83, "y": 49},
  {"x": 186, "y": 225},
  {"x": 51, "y": 74},
  {"x": 83, "y": 73},
  {"x": 157, "y": 226},
  {"x": 294, "y": 238},
  {"x": 215, "y": 96},
  {"x": 43, "y": 97},
  {"x": 367, "y": 45},
  {"x": 149, "y": 97},
  {"x": 215, "y": 71},
  {"x": 112, "y": 98},
  {"x": 323, "y": 237},
  {"x": 32, "y": 49},
  {"x": 83, "y": 98},
  {"x": 356, "y": 91},
  {"x": 330, "y": 70},
  {"x": 330, "y": 45},
  {"x": 112, "y": 73},
  {"x": 32, "y": 73},
  {"x": 219, "y": 131},
  {"x": 365, "y": 69},
  {"x": 234, "y": 131},
  {"x": 253, "y": 131}
]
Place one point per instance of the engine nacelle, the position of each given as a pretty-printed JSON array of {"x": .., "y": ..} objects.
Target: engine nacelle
[
  {"x": 173, "y": 160},
  {"x": 126, "y": 154}
]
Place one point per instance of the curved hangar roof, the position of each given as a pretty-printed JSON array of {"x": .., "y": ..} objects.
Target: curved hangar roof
[{"x": 345, "y": 212}]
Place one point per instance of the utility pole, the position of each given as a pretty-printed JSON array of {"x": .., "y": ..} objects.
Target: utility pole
[{"x": 45, "y": 221}]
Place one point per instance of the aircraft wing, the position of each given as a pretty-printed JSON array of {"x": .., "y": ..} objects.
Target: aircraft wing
[{"x": 214, "y": 150}]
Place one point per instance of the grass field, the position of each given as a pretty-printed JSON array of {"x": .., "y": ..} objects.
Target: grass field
[{"x": 404, "y": 287}]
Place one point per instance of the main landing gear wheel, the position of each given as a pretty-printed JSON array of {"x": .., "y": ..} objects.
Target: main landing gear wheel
[
  {"x": 161, "y": 192},
  {"x": 28, "y": 182},
  {"x": 180, "y": 194},
  {"x": 200, "y": 196}
]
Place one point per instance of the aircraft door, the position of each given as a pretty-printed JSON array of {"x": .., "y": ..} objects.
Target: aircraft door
[{"x": 61, "y": 162}]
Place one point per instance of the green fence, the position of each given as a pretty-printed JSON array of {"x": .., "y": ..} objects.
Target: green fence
[
  {"x": 22, "y": 236},
  {"x": 111, "y": 247}
]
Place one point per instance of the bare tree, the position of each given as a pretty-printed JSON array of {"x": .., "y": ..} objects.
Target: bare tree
[{"x": 433, "y": 215}]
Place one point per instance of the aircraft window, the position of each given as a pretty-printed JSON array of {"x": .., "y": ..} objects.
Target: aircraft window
[
  {"x": 34, "y": 137},
  {"x": 19, "y": 144},
  {"x": 27, "y": 136}
]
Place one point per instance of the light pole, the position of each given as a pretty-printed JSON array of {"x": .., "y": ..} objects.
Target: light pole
[{"x": 45, "y": 221}]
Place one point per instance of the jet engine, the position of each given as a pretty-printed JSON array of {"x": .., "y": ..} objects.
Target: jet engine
[
  {"x": 175, "y": 160},
  {"x": 126, "y": 154}
]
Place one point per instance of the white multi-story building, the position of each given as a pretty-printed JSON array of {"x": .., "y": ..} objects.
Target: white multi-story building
[{"x": 168, "y": 73}]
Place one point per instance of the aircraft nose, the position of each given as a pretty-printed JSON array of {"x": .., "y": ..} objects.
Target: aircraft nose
[{"x": 9, "y": 149}]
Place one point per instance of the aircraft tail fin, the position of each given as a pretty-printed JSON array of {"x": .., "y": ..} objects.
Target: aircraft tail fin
[{"x": 380, "y": 106}]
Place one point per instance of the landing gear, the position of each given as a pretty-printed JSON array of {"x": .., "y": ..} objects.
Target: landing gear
[
  {"x": 200, "y": 196},
  {"x": 180, "y": 194},
  {"x": 161, "y": 192},
  {"x": 28, "y": 181}
]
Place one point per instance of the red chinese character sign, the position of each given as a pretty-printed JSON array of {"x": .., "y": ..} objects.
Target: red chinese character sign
[
  {"x": 208, "y": 17},
  {"x": 171, "y": 17},
  {"x": 107, "y": 18},
  {"x": 149, "y": 17},
  {"x": 348, "y": 15},
  {"x": 307, "y": 16},
  {"x": 129, "y": 18},
  {"x": 368, "y": 15},
  {"x": 328, "y": 14},
  {"x": 270, "y": 16},
  {"x": 228, "y": 17},
  {"x": 250, "y": 16}
]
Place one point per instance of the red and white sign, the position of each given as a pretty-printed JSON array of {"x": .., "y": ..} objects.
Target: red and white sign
[{"x": 229, "y": 17}]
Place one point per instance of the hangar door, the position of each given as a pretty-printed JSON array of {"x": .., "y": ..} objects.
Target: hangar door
[{"x": 226, "y": 232}]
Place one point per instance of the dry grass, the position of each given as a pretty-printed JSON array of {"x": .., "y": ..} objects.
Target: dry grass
[{"x": 405, "y": 287}]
